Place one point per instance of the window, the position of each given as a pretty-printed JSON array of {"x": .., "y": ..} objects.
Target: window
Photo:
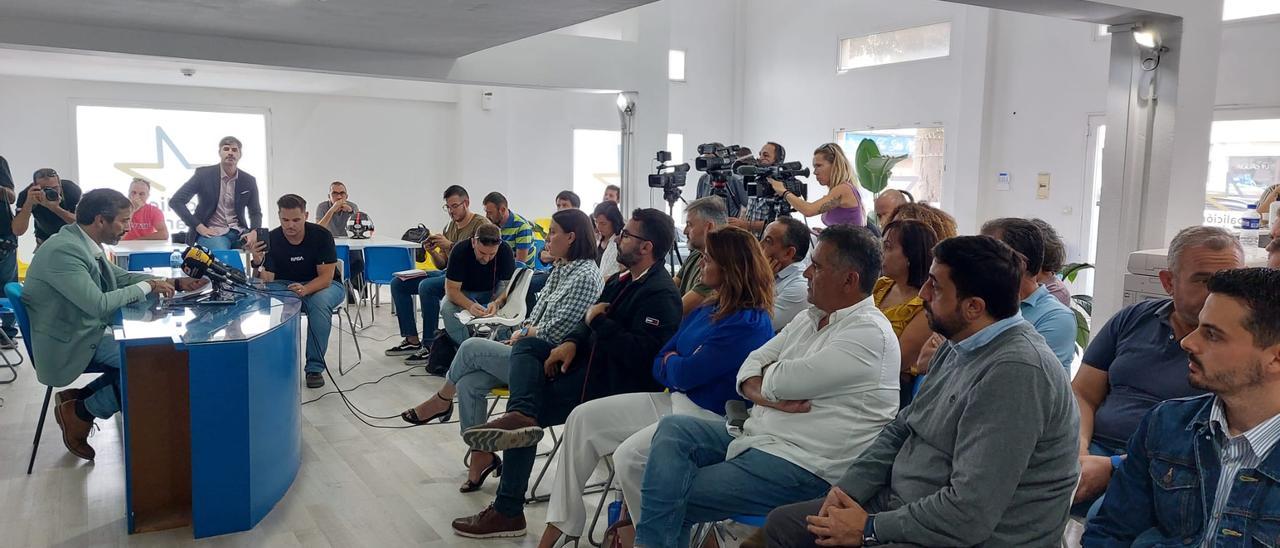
[
  {"x": 899, "y": 46},
  {"x": 597, "y": 161},
  {"x": 1244, "y": 9},
  {"x": 116, "y": 144},
  {"x": 675, "y": 65},
  {"x": 921, "y": 173},
  {"x": 1244, "y": 160}
]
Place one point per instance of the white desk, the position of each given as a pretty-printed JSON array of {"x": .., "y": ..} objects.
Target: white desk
[
  {"x": 121, "y": 251},
  {"x": 376, "y": 241}
]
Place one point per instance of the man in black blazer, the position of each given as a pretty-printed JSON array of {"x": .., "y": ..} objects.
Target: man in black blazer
[{"x": 225, "y": 193}]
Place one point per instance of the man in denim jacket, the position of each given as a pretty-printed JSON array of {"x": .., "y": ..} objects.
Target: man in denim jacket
[{"x": 1200, "y": 470}]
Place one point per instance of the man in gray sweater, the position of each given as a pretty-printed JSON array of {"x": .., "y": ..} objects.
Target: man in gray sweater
[{"x": 986, "y": 455}]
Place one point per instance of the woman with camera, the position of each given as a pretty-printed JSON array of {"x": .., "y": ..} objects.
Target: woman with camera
[
  {"x": 842, "y": 205},
  {"x": 609, "y": 225}
]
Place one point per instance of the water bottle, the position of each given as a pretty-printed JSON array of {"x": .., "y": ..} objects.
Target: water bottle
[
  {"x": 1250, "y": 227},
  {"x": 175, "y": 259}
]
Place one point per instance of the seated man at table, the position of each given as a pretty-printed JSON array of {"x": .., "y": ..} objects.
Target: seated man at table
[
  {"x": 72, "y": 294},
  {"x": 986, "y": 453},
  {"x": 333, "y": 215},
  {"x": 303, "y": 255},
  {"x": 462, "y": 226},
  {"x": 147, "y": 221}
]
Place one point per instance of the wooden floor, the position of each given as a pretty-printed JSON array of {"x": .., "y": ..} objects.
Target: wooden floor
[{"x": 358, "y": 486}]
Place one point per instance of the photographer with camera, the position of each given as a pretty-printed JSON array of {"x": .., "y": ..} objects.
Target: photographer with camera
[
  {"x": 719, "y": 180},
  {"x": 51, "y": 200},
  {"x": 842, "y": 205},
  {"x": 762, "y": 210}
]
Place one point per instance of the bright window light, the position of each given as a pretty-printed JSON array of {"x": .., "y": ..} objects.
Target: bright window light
[
  {"x": 1244, "y": 9},
  {"x": 899, "y": 46},
  {"x": 675, "y": 65}
]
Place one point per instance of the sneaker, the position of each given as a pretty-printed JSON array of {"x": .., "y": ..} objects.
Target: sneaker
[
  {"x": 419, "y": 358},
  {"x": 315, "y": 380},
  {"x": 510, "y": 431},
  {"x": 404, "y": 349},
  {"x": 489, "y": 523}
]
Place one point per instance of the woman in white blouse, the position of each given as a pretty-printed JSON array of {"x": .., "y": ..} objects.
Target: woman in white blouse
[{"x": 609, "y": 224}]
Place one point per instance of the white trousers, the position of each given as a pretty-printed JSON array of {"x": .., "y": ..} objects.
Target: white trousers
[{"x": 621, "y": 425}]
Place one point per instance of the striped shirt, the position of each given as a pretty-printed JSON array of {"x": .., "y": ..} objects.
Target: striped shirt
[
  {"x": 518, "y": 233},
  {"x": 1239, "y": 456}
]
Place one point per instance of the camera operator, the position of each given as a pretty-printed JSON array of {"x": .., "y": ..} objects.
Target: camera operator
[
  {"x": 761, "y": 211},
  {"x": 842, "y": 205},
  {"x": 734, "y": 191},
  {"x": 51, "y": 200}
]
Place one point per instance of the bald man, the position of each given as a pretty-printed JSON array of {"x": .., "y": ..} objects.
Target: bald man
[{"x": 887, "y": 202}]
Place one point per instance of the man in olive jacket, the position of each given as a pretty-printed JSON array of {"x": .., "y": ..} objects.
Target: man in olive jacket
[{"x": 72, "y": 293}]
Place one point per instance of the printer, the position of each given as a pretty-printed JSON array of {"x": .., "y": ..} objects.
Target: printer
[{"x": 1142, "y": 282}]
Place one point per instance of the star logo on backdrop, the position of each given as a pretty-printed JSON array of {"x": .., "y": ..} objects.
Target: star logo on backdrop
[{"x": 162, "y": 172}]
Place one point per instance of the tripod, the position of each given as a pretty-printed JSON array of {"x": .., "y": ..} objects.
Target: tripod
[{"x": 671, "y": 194}]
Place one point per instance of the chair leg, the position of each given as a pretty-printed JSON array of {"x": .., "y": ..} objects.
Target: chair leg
[
  {"x": 604, "y": 497},
  {"x": 35, "y": 445},
  {"x": 359, "y": 355},
  {"x": 534, "y": 497}
]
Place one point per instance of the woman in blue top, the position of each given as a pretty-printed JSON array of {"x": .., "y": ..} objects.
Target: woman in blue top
[{"x": 699, "y": 367}]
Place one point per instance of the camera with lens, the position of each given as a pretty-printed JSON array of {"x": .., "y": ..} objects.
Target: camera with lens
[
  {"x": 51, "y": 194},
  {"x": 718, "y": 162},
  {"x": 668, "y": 177},
  {"x": 757, "y": 178}
]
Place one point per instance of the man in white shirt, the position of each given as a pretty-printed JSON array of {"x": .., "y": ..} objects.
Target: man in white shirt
[
  {"x": 785, "y": 244},
  {"x": 823, "y": 388}
]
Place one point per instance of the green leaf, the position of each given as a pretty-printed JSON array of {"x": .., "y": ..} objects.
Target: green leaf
[
  {"x": 867, "y": 150},
  {"x": 1069, "y": 272}
]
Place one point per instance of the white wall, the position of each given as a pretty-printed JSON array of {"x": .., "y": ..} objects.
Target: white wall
[{"x": 703, "y": 106}]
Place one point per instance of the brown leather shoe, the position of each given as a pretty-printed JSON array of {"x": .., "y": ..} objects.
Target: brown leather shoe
[
  {"x": 489, "y": 523},
  {"x": 75, "y": 432},
  {"x": 510, "y": 431},
  {"x": 70, "y": 394}
]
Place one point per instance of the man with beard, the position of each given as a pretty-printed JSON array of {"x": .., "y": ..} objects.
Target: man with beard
[
  {"x": 1200, "y": 470},
  {"x": 72, "y": 293},
  {"x": 224, "y": 193},
  {"x": 985, "y": 455},
  {"x": 610, "y": 352}
]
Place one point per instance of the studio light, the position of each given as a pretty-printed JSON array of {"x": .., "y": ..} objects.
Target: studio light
[{"x": 1145, "y": 38}]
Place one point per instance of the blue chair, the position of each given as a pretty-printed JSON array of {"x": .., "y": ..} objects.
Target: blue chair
[
  {"x": 538, "y": 265},
  {"x": 13, "y": 290},
  {"x": 344, "y": 255},
  {"x": 148, "y": 259},
  {"x": 380, "y": 265},
  {"x": 915, "y": 388},
  {"x": 230, "y": 256},
  {"x": 12, "y": 366}
]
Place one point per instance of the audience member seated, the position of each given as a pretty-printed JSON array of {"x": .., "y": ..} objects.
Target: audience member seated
[
  {"x": 609, "y": 225},
  {"x": 72, "y": 293},
  {"x": 1135, "y": 361},
  {"x": 461, "y": 228},
  {"x": 842, "y": 204},
  {"x": 613, "y": 193},
  {"x": 1273, "y": 253},
  {"x": 908, "y": 254},
  {"x": 225, "y": 193},
  {"x": 8, "y": 259},
  {"x": 1055, "y": 257},
  {"x": 482, "y": 364},
  {"x": 568, "y": 199},
  {"x": 50, "y": 215},
  {"x": 785, "y": 245},
  {"x": 1200, "y": 470},
  {"x": 698, "y": 366},
  {"x": 887, "y": 202},
  {"x": 700, "y": 217},
  {"x": 147, "y": 221},
  {"x": 334, "y": 213},
  {"x": 516, "y": 231},
  {"x": 985, "y": 455},
  {"x": 610, "y": 352},
  {"x": 303, "y": 254},
  {"x": 942, "y": 223},
  {"x": 823, "y": 389},
  {"x": 1051, "y": 319}
]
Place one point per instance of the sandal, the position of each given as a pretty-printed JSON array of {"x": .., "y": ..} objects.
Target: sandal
[
  {"x": 411, "y": 415},
  {"x": 494, "y": 468}
]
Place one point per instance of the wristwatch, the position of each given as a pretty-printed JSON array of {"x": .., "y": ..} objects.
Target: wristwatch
[{"x": 869, "y": 532}]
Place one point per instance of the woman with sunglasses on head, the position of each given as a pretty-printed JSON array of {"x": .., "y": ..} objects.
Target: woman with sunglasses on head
[
  {"x": 482, "y": 364},
  {"x": 842, "y": 205},
  {"x": 698, "y": 365}
]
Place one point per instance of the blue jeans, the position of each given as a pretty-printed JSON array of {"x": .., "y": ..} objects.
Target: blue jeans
[
  {"x": 691, "y": 482},
  {"x": 479, "y": 366},
  {"x": 1089, "y": 508},
  {"x": 103, "y": 399},
  {"x": 230, "y": 240},
  {"x": 8, "y": 273},
  {"x": 320, "y": 306},
  {"x": 429, "y": 290},
  {"x": 449, "y": 311}
]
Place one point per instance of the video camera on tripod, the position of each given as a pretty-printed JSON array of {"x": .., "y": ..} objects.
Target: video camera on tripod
[
  {"x": 757, "y": 178},
  {"x": 668, "y": 177},
  {"x": 718, "y": 162}
]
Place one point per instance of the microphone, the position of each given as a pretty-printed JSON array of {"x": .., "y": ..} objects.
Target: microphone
[{"x": 197, "y": 262}]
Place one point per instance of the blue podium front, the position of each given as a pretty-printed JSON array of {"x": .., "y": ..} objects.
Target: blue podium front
[{"x": 212, "y": 413}]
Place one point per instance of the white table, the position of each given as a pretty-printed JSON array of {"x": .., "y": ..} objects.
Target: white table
[
  {"x": 376, "y": 241},
  {"x": 121, "y": 251}
]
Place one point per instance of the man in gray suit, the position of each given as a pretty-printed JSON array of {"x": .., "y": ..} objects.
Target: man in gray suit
[
  {"x": 225, "y": 194},
  {"x": 72, "y": 293}
]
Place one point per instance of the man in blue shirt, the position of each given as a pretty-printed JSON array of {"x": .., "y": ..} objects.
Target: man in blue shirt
[
  {"x": 1053, "y": 321},
  {"x": 1201, "y": 470},
  {"x": 1135, "y": 360}
]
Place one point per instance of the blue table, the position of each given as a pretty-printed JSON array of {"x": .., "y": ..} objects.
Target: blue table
[{"x": 212, "y": 413}]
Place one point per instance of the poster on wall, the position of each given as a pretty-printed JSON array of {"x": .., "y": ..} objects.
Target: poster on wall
[{"x": 114, "y": 145}]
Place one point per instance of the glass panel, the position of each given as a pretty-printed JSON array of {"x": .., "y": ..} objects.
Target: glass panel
[
  {"x": 897, "y": 46},
  {"x": 1244, "y": 161},
  {"x": 921, "y": 173},
  {"x": 1244, "y": 9}
]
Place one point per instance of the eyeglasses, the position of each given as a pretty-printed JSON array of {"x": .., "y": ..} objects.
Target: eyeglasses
[
  {"x": 451, "y": 207},
  {"x": 336, "y": 193},
  {"x": 627, "y": 234}
]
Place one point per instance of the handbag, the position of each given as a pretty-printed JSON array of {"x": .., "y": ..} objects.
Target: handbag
[{"x": 418, "y": 234}]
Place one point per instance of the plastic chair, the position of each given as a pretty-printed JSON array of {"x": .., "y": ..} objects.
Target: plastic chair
[
  {"x": 380, "y": 265},
  {"x": 538, "y": 246},
  {"x": 338, "y": 312},
  {"x": 148, "y": 259},
  {"x": 514, "y": 311},
  {"x": 12, "y": 366},
  {"x": 13, "y": 290},
  {"x": 231, "y": 257},
  {"x": 703, "y": 530}
]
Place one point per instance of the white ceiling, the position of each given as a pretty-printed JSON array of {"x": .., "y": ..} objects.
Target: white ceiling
[{"x": 445, "y": 28}]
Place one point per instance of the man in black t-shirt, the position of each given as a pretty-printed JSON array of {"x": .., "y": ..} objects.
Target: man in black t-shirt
[
  {"x": 478, "y": 270},
  {"x": 50, "y": 215},
  {"x": 303, "y": 254}
]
